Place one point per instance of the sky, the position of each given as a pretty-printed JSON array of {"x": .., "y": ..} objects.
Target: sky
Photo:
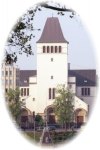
[{"x": 81, "y": 52}]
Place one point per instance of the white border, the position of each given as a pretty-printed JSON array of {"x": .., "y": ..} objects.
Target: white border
[{"x": 89, "y": 11}]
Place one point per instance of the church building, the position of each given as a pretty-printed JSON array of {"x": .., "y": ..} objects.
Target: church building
[{"x": 52, "y": 70}]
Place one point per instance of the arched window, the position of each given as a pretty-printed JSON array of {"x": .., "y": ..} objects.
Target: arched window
[
  {"x": 47, "y": 49},
  {"x": 51, "y": 49},
  {"x": 59, "y": 49},
  {"x": 44, "y": 49},
  {"x": 55, "y": 49}
]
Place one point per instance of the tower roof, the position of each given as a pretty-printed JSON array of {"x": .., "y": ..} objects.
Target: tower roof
[{"x": 52, "y": 32}]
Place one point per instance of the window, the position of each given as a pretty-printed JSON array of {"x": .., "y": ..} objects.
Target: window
[
  {"x": 51, "y": 59},
  {"x": 44, "y": 49},
  {"x": 55, "y": 49},
  {"x": 25, "y": 81},
  {"x": 85, "y": 81},
  {"x": 88, "y": 91},
  {"x": 10, "y": 73},
  {"x": 24, "y": 91},
  {"x": 49, "y": 93},
  {"x": 59, "y": 49},
  {"x": 51, "y": 49},
  {"x": 27, "y": 91},
  {"x": 23, "y": 100},
  {"x": 85, "y": 91},
  {"x": 82, "y": 91},
  {"x": 51, "y": 77},
  {"x": 6, "y": 73},
  {"x": 33, "y": 99},
  {"x": 53, "y": 93},
  {"x": 47, "y": 49}
]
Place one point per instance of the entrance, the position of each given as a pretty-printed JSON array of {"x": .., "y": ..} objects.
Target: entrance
[
  {"x": 80, "y": 117},
  {"x": 50, "y": 115}
]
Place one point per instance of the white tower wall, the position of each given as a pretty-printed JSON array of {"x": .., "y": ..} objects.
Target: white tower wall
[{"x": 47, "y": 68}]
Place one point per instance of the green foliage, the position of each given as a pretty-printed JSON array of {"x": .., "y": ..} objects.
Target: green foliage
[
  {"x": 14, "y": 103},
  {"x": 39, "y": 120},
  {"x": 57, "y": 137},
  {"x": 63, "y": 105},
  {"x": 13, "y": 95}
]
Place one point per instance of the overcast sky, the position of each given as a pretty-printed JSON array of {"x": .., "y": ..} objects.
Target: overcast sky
[{"x": 81, "y": 53}]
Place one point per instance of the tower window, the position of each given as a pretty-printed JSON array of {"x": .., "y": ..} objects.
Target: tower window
[
  {"x": 51, "y": 59},
  {"x": 55, "y": 49},
  {"x": 59, "y": 49},
  {"x": 33, "y": 99},
  {"x": 51, "y": 77},
  {"x": 51, "y": 49},
  {"x": 44, "y": 49},
  {"x": 47, "y": 49}
]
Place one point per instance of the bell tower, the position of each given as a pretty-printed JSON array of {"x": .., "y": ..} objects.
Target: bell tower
[{"x": 52, "y": 68}]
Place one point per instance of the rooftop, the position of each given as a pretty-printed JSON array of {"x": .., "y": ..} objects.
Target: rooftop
[
  {"x": 24, "y": 76},
  {"x": 84, "y": 77},
  {"x": 52, "y": 32}
]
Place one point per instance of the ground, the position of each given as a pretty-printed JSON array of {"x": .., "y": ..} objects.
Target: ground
[{"x": 56, "y": 136}]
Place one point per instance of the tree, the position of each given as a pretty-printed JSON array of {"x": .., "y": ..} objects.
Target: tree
[
  {"x": 22, "y": 33},
  {"x": 63, "y": 105},
  {"x": 14, "y": 103},
  {"x": 39, "y": 120}
]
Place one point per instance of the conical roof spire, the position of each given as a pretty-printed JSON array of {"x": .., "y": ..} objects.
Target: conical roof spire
[{"x": 52, "y": 32}]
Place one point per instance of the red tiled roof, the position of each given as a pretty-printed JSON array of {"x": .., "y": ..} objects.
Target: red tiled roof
[{"x": 52, "y": 32}]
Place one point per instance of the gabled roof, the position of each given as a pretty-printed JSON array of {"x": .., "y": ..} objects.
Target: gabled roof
[
  {"x": 52, "y": 32},
  {"x": 84, "y": 77},
  {"x": 24, "y": 76}
]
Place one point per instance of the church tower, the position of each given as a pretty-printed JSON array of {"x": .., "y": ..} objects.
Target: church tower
[{"x": 51, "y": 63}]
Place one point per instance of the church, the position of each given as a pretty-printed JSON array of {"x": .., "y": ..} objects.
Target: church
[
  {"x": 52, "y": 69},
  {"x": 38, "y": 87}
]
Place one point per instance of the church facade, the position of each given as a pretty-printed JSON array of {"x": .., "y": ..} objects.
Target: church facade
[{"x": 52, "y": 70}]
